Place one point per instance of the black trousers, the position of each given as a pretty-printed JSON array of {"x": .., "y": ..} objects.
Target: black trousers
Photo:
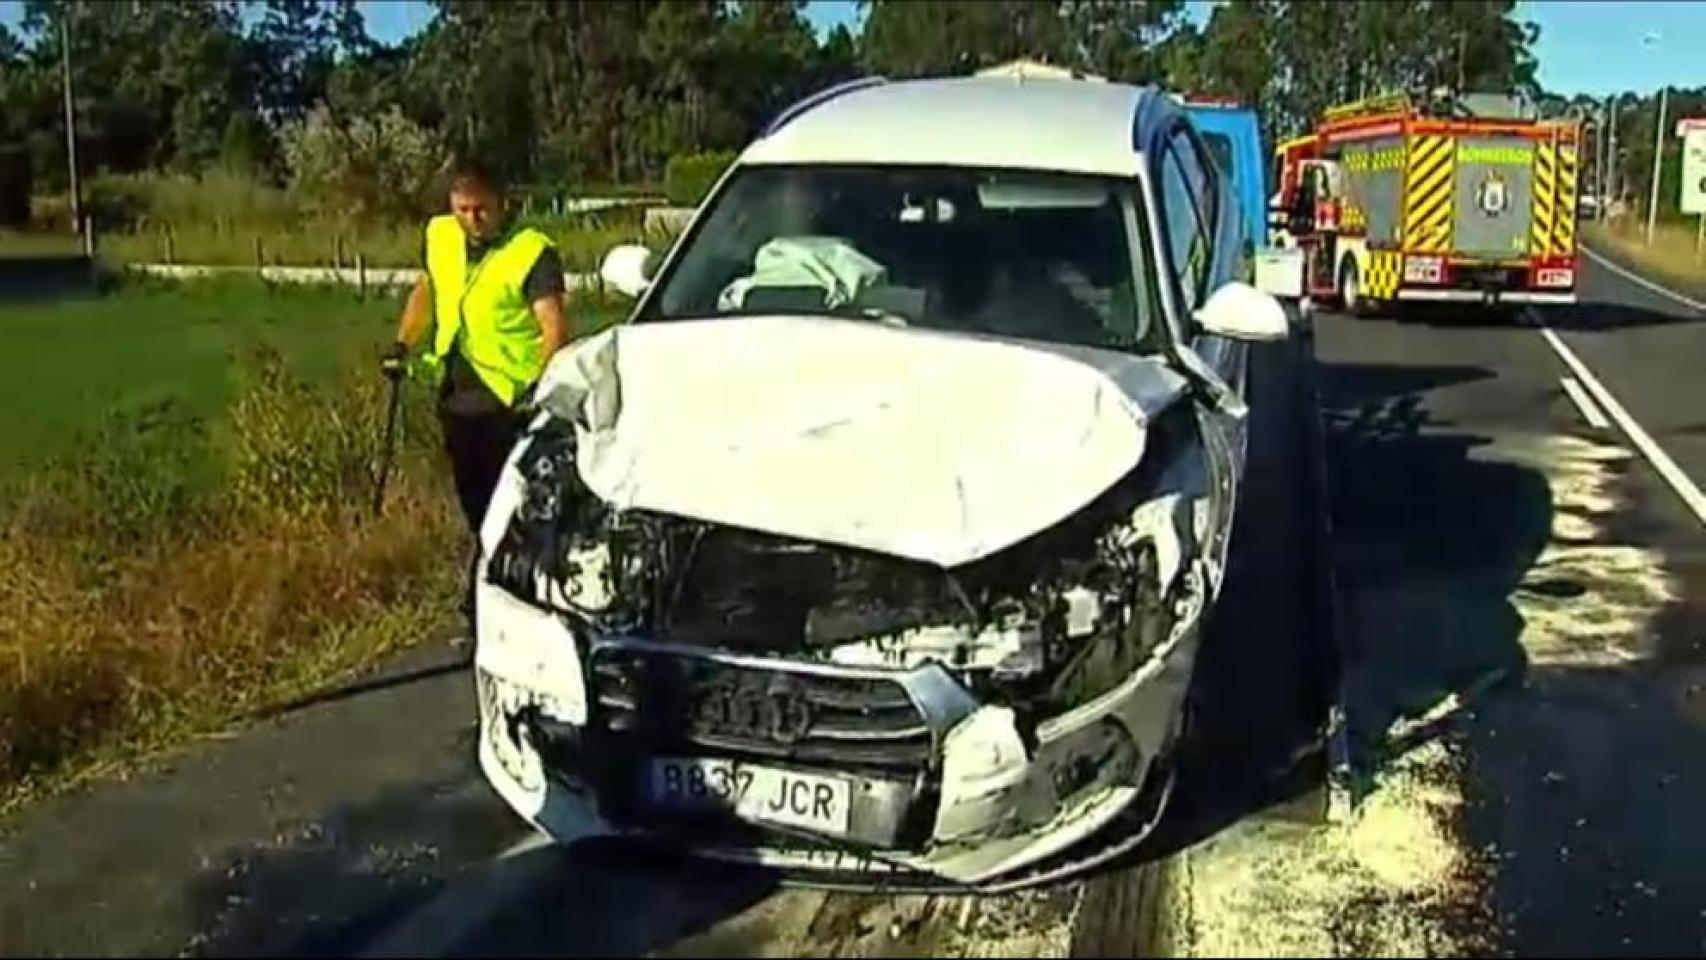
[{"x": 478, "y": 442}]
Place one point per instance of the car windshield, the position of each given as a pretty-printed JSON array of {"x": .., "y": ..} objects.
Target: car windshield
[{"x": 1020, "y": 254}]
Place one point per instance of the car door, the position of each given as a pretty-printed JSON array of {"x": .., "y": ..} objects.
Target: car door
[{"x": 1202, "y": 256}]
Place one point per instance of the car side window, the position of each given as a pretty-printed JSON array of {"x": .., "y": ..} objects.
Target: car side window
[
  {"x": 1203, "y": 176},
  {"x": 1187, "y": 231}
]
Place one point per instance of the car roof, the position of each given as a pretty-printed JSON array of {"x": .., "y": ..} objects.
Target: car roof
[{"x": 1074, "y": 126}]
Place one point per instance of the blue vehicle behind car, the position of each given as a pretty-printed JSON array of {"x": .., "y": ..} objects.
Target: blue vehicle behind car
[{"x": 1233, "y": 134}]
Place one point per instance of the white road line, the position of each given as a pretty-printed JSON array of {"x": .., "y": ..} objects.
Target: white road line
[
  {"x": 1578, "y": 396},
  {"x": 1643, "y": 281},
  {"x": 1661, "y": 461}
]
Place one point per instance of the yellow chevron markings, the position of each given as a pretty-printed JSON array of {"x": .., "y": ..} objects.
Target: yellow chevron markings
[
  {"x": 1427, "y": 199},
  {"x": 1545, "y": 196},
  {"x": 1564, "y": 217}
]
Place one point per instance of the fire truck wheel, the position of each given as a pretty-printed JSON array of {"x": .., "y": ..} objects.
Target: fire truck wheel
[{"x": 1350, "y": 289}]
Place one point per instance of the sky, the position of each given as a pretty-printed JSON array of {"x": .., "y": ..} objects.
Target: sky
[{"x": 1585, "y": 47}]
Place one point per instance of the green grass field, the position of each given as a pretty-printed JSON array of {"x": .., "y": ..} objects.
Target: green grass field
[
  {"x": 169, "y": 345},
  {"x": 75, "y": 361}
]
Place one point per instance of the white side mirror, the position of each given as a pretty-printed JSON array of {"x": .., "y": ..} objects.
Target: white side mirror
[
  {"x": 1242, "y": 312},
  {"x": 628, "y": 268}
]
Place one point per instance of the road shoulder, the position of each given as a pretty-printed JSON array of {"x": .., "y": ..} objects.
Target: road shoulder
[{"x": 291, "y": 836}]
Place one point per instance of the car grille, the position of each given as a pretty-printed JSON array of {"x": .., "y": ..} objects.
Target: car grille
[{"x": 683, "y": 702}]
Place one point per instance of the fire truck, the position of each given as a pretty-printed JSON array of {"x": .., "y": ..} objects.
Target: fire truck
[{"x": 1388, "y": 200}]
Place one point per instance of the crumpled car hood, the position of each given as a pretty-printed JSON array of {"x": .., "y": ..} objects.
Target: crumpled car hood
[{"x": 933, "y": 446}]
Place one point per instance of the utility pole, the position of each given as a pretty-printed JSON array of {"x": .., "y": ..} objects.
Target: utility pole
[
  {"x": 1611, "y": 148},
  {"x": 1462, "y": 51},
  {"x": 1658, "y": 165},
  {"x": 1598, "y": 160},
  {"x": 70, "y": 118}
]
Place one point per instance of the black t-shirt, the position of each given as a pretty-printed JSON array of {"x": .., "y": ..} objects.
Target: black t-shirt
[{"x": 462, "y": 390}]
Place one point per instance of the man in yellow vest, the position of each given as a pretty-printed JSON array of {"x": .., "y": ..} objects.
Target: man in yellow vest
[{"x": 492, "y": 294}]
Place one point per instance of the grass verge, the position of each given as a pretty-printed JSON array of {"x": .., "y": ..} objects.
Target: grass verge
[
  {"x": 1670, "y": 259},
  {"x": 192, "y": 543},
  {"x": 171, "y": 574}
]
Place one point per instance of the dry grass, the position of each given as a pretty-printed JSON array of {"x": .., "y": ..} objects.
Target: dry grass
[
  {"x": 39, "y": 243},
  {"x": 138, "y": 608},
  {"x": 1670, "y": 257}
]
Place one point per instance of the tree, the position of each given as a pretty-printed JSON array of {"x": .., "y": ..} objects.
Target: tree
[
  {"x": 1634, "y": 161},
  {"x": 156, "y": 82},
  {"x": 1234, "y": 55},
  {"x": 471, "y": 63},
  {"x": 680, "y": 44},
  {"x": 915, "y": 38},
  {"x": 245, "y": 148},
  {"x": 294, "y": 49},
  {"x": 769, "y": 55},
  {"x": 837, "y": 59},
  {"x": 1324, "y": 54},
  {"x": 1121, "y": 40},
  {"x": 370, "y": 168}
]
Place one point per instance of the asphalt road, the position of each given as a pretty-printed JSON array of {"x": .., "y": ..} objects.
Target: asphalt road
[
  {"x": 360, "y": 824},
  {"x": 1493, "y": 543}
]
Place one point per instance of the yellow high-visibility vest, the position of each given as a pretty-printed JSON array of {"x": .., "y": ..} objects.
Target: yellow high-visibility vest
[{"x": 485, "y": 307}]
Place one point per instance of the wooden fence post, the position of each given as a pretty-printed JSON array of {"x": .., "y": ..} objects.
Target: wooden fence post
[
  {"x": 360, "y": 276},
  {"x": 260, "y": 264},
  {"x": 171, "y": 245}
]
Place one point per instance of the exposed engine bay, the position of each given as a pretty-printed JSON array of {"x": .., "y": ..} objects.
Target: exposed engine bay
[{"x": 1019, "y": 622}]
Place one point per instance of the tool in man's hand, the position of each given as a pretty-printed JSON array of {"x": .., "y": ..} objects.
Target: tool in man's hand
[{"x": 393, "y": 366}]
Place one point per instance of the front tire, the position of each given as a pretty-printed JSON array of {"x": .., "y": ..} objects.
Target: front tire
[{"x": 1350, "y": 289}]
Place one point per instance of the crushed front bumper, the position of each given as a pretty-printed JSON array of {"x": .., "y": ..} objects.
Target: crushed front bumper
[{"x": 945, "y": 787}]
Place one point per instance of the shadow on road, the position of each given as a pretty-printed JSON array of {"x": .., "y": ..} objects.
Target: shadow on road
[
  {"x": 1428, "y": 540},
  {"x": 1588, "y": 316},
  {"x": 1432, "y": 536},
  {"x": 613, "y": 901},
  {"x": 329, "y": 886},
  {"x": 1594, "y": 316},
  {"x": 1267, "y": 670}
]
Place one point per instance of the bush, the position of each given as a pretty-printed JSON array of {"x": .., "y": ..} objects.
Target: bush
[
  {"x": 217, "y": 200},
  {"x": 116, "y": 200},
  {"x": 14, "y": 186},
  {"x": 373, "y": 168},
  {"x": 689, "y": 177},
  {"x": 243, "y": 149},
  {"x": 275, "y": 467}
]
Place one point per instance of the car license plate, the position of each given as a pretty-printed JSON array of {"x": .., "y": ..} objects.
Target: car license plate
[{"x": 751, "y": 792}]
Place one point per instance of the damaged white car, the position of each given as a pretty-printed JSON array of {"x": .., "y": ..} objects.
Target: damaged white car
[{"x": 877, "y": 544}]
